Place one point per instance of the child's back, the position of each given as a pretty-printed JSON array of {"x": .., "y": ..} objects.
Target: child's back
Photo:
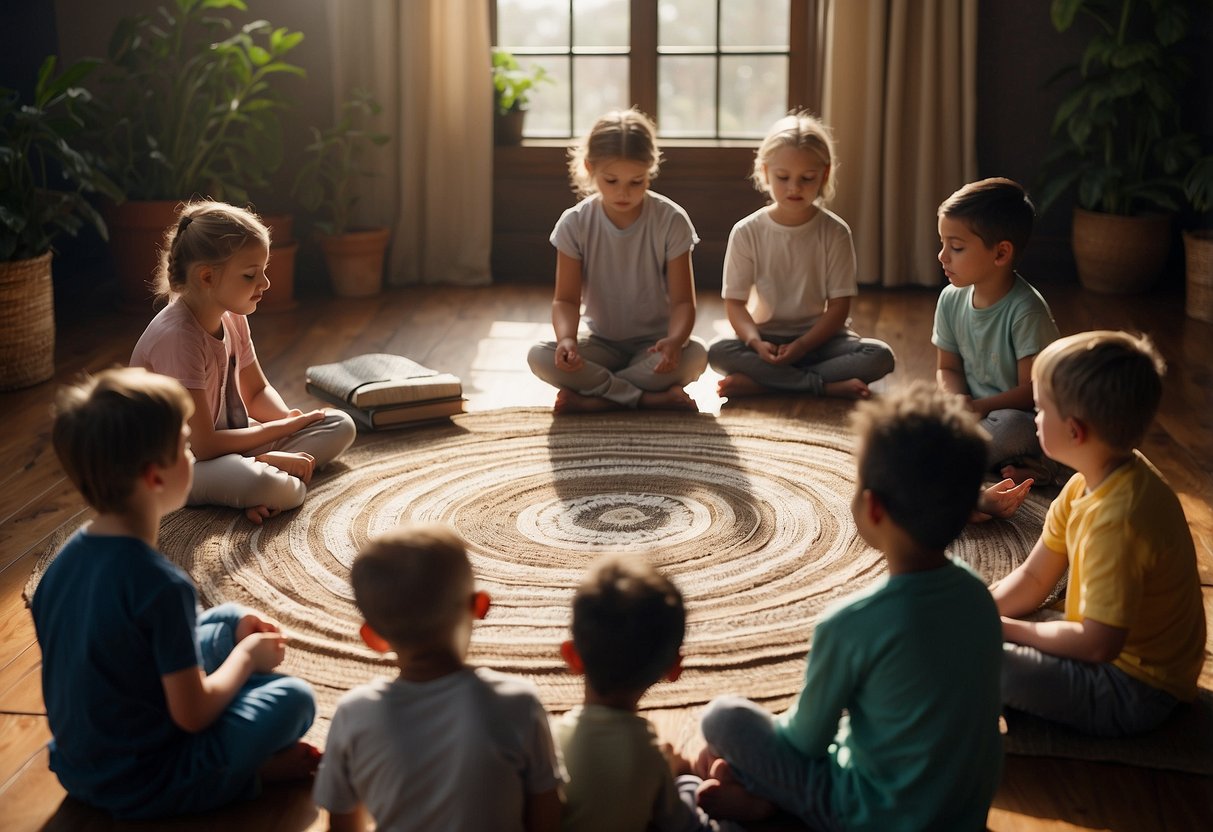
[{"x": 458, "y": 752}]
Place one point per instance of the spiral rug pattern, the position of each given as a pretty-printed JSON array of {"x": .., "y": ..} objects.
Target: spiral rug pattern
[{"x": 748, "y": 514}]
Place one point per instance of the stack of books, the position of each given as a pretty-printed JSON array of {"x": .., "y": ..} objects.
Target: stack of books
[{"x": 381, "y": 390}]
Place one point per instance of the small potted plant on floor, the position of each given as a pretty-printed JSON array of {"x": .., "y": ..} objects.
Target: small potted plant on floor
[
  {"x": 326, "y": 185},
  {"x": 191, "y": 108},
  {"x": 45, "y": 182},
  {"x": 512, "y": 89},
  {"x": 1119, "y": 142}
]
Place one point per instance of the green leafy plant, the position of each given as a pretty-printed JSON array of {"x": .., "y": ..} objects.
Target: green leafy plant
[
  {"x": 1118, "y": 137},
  {"x": 512, "y": 84},
  {"x": 191, "y": 104},
  {"x": 324, "y": 184},
  {"x": 45, "y": 179}
]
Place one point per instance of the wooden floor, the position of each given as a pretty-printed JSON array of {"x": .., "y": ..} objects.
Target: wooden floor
[{"x": 482, "y": 335}]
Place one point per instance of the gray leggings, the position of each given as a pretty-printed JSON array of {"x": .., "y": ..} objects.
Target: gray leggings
[
  {"x": 1094, "y": 697},
  {"x": 618, "y": 371},
  {"x": 845, "y": 356},
  {"x": 240, "y": 481}
]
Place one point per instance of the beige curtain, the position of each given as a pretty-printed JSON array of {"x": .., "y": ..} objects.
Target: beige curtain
[
  {"x": 900, "y": 93},
  {"x": 427, "y": 62}
]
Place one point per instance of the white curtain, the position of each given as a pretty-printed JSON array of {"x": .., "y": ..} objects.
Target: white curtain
[
  {"x": 900, "y": 94},
  {"x": 428, "y": 63}
]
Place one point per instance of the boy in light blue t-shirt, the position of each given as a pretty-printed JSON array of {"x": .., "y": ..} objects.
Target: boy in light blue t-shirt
[
  {"x": 990, "y": 323},
  {"x": 913, "y": 661}
]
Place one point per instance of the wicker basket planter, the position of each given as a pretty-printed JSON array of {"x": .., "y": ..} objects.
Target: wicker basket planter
[
  {"x": 1198, "y": 252},
  {"x": 1119, "y": 255},
  {"x": 27, "y": 322}
]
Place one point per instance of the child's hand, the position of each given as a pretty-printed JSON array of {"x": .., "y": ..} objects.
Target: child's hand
[
  {"x": 671, "y": 354},
  {"x": 703, "y": 762},
  {"x": 567, "y": 357},
  {"x": 296, "y": 463},
  {"x": 254, "y": 623},
  {"x": 297, "y": 419},
  {"x": 789, "y": 353},
  {"x": 267, "y": 650},
  {"x": 679, "y": 765},
  {"x": 1002, "y": 499},
  {"x": 767, "y": 351}
]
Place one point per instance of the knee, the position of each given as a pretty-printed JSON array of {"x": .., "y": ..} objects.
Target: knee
[
  {"x": 344, "y": 428},
  {"x": 294, "y": 708},
  {"x": 726, "y": 717},
  {"x": 721, "y": 348},
  {"x": 882, "y": 359},
  {"x": 541, "y": 358},
  {"x": 694, "y": 359}
]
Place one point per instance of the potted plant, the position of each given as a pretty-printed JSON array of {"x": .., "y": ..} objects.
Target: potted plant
[
  {"x": 326, "y": 186},
  {"x": 44, "y": 184},
  {"x": 1119, "y": 142},
  {"x": 1198, "y": 243},
  {"x": 512, "y": 87},
  {"x": 190, "y": 108}
]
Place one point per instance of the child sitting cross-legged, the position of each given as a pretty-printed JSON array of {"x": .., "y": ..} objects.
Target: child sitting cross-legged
[
  {"x": 628, "y": 624},
  {"x": 443, "y": 745},
  {"x": 913, "y": 661},
  {"x": 154, "y": 710},
  {"x": 1132, "y": 642}
]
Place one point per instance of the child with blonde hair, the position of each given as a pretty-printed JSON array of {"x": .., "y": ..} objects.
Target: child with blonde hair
[
  {"x": 254, "y": 452},
  {"x": 625, "y": 252},
  {"x": 789, "y": 278},
  {"x": 155, "y": 709},
  {"x": 1132, "y": 642},
  {"x": 443, "y": 745}
]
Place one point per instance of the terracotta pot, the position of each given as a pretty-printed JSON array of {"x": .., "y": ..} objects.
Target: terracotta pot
[
  {"x": 281, "y": 272},
  {"x": 136, "y": 231},
  {"x": 1120, "y": 255},
  {"x": 355, "y": 261},
  {"x": 27, "y": 322},
  {"x": 1198, "y": 255}
]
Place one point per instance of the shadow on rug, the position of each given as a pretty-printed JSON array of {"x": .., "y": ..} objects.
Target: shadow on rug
[{"x": 748, "y": 513}]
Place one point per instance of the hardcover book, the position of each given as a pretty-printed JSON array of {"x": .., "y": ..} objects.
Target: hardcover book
[{"x": 381, "y": 380}]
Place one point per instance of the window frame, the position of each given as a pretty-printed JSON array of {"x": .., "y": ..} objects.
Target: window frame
[{"x": 643, "y": 58}]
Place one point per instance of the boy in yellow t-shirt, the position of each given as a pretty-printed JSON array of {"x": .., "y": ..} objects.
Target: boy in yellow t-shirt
[{"x": 1131, "y": 645}]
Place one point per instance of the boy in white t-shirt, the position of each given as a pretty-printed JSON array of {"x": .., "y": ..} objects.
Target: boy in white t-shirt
[{"x": 443, "y": 745}]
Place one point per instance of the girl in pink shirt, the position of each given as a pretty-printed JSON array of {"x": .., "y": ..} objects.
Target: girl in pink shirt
[{"x": 253, "y": 451}]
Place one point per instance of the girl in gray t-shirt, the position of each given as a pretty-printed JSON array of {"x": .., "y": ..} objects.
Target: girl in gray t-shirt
[{"x": 624, "y": 253}]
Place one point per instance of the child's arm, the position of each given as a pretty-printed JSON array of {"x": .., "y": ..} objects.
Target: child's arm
[
  {"x": 566, "y": 311},
  {"x": 950, "y": 373},
  {"x": 196, "y": 700},
  {"x": 208, "y": 443},
  {"x": 1018, "y": 397},
  {"x": 261, "y": 400},
  {"x": 747, "y": 331},
  {"x": 1029, "y": 584},
  {"x": 827, "y": 326},
  {"x": 1087, "y": 640},
  {"x": 354, "y": 821},
  {"x": 542, "y": 811},
  {"x": 680, "y": 285}
]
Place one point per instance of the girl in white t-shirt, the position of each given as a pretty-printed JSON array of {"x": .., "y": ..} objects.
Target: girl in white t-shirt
[
  {"x": 253, "y": 451},
  {"x": 789, "y": 277},
  {"x": 625, "y": 252}
]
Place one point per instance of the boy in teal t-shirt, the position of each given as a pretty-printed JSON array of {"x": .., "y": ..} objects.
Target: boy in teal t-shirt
[{"x": 914, "y": 660}]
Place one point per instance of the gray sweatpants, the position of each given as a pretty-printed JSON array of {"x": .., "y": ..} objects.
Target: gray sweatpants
[
  {"x": 845, "y": 356},
  {"x": 618, "y": 371}
]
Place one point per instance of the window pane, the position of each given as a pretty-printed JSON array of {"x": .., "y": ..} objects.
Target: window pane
[
  {"x": 600, "y": 23},
  {"x": 548, "y": 114},
  {"x": 531, "y": 23},
  {"x": 686, "y": 23},
  {"x": 750, "y": 23},
  {"x": 686, "y": 96},
  {"x": 753, "y": 94},
  {"x": 600, "y": 84}
]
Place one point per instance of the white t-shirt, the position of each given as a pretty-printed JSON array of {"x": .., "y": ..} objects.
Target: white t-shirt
[
  {"x": 459, "y": 752},
  {"x": 623, "y": 270},
  {"x": 175, "y": 345},
  {"x": 785, "y": 273}
]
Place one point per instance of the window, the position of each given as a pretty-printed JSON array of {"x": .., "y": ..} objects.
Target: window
[{"x": 705, "y": 69}]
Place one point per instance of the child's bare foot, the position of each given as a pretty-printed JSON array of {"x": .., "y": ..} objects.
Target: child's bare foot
[
  {"x": 294, "y": 763},
  {"x": 568, "y": 401},
  {"x": 735, "y": 385},
  {"x": 259, "y": 514},
  {"x": 852, "y": 388},
  {"x": 673, "y": 399},
  {"x": 721, "y": 796}
]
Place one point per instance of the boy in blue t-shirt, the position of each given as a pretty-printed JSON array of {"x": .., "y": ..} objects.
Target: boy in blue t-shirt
[
  {"x": 153, "y": 711},
  {"x": 913, "y": 661},
  {"x": 990, "y": 323}
]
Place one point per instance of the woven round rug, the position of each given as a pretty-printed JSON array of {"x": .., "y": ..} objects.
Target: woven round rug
[{"x": 748, "y": 514}]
